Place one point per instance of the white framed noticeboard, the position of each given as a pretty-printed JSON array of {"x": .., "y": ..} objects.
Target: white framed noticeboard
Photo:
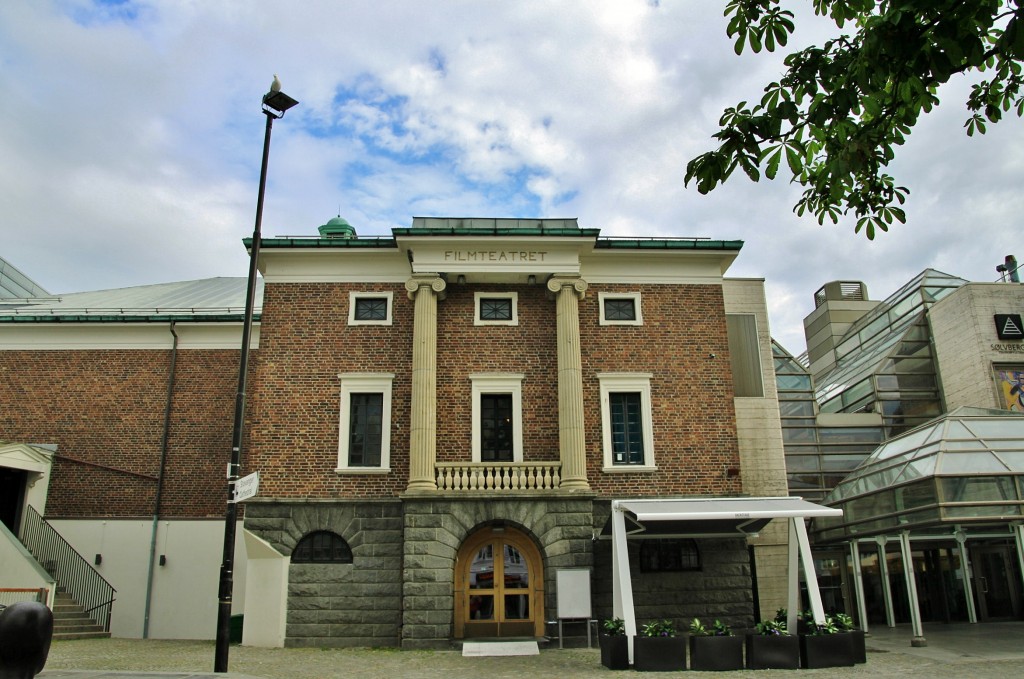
[{"x": 573, "y": 593}]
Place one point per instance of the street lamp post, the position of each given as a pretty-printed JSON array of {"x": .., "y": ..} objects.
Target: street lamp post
[{"x": 275, "y": 103}]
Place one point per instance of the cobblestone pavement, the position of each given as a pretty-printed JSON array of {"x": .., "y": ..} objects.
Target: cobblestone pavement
[{"x": 994, "y": 653}]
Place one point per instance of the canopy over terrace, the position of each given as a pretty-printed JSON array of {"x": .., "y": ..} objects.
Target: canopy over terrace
[
  {"x": 712, "y": 517},
  {"x": 959, "y": 477}
]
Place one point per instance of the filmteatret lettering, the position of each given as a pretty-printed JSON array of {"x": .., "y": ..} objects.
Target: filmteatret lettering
[{"x": 494, "y": 255}]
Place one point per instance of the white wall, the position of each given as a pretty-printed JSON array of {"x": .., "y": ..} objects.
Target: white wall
[
  {"x": 184, "y": 601},
  {"x": 18, "y": 570}
]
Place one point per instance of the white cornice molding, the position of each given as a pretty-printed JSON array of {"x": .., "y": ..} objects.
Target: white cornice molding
[
  {"x": 660, "y": 267},
  {"x": 341, "y": 265},
  {"x": 102, "y": 336}
]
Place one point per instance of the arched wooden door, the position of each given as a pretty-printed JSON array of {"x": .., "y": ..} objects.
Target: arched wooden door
[{"x": 499, "y": 586}]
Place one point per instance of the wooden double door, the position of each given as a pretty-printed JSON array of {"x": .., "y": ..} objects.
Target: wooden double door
[{"x": 499, "y": 586}]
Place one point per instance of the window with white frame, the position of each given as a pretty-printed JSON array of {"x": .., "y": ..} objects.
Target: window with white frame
[
  {"x": 497, "y": 415},
  {"x": 496, "y": 308},
  {"x": 620, "y": 308},
  {"x": 626, "y": 424},
  {"x": 364, "y": 429},
  {"x": 369, "y": 308}
]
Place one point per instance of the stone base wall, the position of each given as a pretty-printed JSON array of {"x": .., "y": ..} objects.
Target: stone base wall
[
  {"x": 434, "y": 530},
  {"x": 333, "y": 605}
]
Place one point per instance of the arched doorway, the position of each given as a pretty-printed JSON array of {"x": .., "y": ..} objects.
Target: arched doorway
[{"x": 499, "y": 585}]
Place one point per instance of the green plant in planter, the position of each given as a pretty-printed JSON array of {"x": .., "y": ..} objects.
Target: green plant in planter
[
  {"x": 843, "y": 622},
  {"x": 829, "y": 627},
  {"x": 614, "y": 644},
  {"x": 769, "y": 628},
  {"x": 659, "y": 628},
  {"x": 614, "y": 627},
  {"x": 658, "y": 649},
  {"x": 714, "y": 648},
  {"x": 772, "y": 646}
]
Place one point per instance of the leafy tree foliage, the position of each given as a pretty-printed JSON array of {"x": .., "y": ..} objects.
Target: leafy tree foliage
[{"x": 836, "y": 115}]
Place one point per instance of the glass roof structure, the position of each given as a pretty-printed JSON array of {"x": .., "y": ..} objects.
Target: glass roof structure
[
  {"x": 964, "y": 469},
  {"x": 884, "y": 362}
]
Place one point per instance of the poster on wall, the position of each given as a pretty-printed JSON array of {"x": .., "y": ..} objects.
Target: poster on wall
[{"x": 1010, "y": 380}]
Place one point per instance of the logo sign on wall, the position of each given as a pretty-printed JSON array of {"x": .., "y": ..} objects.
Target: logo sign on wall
[{"x": 1009, "y": 326}]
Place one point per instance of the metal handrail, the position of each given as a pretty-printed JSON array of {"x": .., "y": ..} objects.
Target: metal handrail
[{"x": 69, "y": 568}]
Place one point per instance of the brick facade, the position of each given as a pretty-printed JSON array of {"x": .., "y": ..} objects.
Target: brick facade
[{"x": 104, "y": 410}]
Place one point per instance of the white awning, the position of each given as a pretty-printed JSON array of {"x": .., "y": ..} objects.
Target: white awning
[
  {"x": 711, "y": 517},
  {"x": 708, "y": 517}
]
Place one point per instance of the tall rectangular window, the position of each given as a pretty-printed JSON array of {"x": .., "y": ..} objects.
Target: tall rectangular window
[
  {"x": 364, "y": 423},
  {"x": 496, "y": 442},
  {"x": 627, "y": 428},
  {"x": 366, "y": 418},
  {"x": 626, "y": 422}
]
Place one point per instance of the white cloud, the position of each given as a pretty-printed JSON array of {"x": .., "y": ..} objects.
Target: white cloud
[{"x": 133, "y": 153}]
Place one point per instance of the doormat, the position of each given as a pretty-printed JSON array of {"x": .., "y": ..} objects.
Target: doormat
[{"x": 497, "y": 648}]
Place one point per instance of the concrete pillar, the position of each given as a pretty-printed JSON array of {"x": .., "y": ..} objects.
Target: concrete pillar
[
  {"x": 424, "y": 290},
  {"x": 572, "y": 443}
]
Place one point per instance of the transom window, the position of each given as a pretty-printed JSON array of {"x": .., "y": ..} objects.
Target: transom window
[
  {"x": 661, "y": 556},
  {"x": 322, "y": 546},
  {"x": 496, "y": 308},
  {"x": 620, "y": 308},
  {"x": 626, "y": 422},
  {"x": 370, "y": 308}
]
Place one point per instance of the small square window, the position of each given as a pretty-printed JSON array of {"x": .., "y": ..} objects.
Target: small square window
[
  {"x": 620, "y": 308},
  {"x": 499, "y": 309},
  {"x": 496, "y": 308},
  {"x": 369, "y": 308}
]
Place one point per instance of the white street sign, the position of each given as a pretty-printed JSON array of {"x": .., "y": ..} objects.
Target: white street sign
[{"x": 247, "y": 486}]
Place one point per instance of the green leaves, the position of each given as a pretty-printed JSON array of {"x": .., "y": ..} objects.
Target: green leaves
[{"x": 841, "y": 109}]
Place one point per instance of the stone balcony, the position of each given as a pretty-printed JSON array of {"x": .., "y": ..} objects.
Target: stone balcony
[{"x": 497, "y": 477}]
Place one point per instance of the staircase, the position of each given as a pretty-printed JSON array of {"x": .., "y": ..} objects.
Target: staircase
[{"x": 70, "y": 621}]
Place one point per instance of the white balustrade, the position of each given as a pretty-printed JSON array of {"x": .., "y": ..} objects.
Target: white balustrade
[{"x": 498, "y": 476}]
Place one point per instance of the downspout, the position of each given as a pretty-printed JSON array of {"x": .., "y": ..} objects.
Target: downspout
[{"x": 160, "y": 483}]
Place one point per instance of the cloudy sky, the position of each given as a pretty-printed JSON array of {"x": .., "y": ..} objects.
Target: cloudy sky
[{"x": 131, "y": 138}]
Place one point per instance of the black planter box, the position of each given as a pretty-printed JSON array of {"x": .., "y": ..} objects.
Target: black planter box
[
  {"x": 659, "y": 654},
  {"x": 860, "y": 654},
  {"x": 614, "y": 651},
  {"x": 773, "y": 652},
  {"x": 826, "y": 650},
  {"x": 716, "y": 654}
]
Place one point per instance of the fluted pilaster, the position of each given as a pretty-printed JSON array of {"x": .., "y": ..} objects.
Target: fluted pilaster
[
  {"x": 424, "y": 291},
  {"x": 571, "y": 439}
]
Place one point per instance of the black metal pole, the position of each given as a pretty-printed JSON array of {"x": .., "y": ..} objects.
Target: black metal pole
[{"x": 220, "y": 662}]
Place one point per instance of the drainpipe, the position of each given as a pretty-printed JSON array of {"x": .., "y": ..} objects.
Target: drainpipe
[{"x": 160, "y": 483}]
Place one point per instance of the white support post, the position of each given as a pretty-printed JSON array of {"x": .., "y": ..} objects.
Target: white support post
[
  {"x": 793, "y": 601},
  {"x": 1018, "y": 534},
  {"x": 622, "y": 583},
  {"x": 965, "y": 566},
  {"x": 817, "y": 610},
  {"x": 883, "y": 572},
  {"x": 915, "y": 607},
  {"x": 858, "y": 585}
]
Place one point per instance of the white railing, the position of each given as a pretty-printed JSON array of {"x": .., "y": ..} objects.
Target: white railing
[{"x": 498, "y": 476}]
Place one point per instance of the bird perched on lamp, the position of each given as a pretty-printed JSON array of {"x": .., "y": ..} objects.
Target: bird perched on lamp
[{"x": 276, "y": 85}]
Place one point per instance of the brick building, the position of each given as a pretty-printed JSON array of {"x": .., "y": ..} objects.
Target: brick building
[{"x": 440, "y": 419}]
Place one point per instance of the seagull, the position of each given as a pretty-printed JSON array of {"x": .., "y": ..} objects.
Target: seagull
[{"x": 276, "y": 85}]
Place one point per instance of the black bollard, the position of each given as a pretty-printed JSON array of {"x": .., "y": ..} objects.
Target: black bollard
[{"x": 26, "y": 629}]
